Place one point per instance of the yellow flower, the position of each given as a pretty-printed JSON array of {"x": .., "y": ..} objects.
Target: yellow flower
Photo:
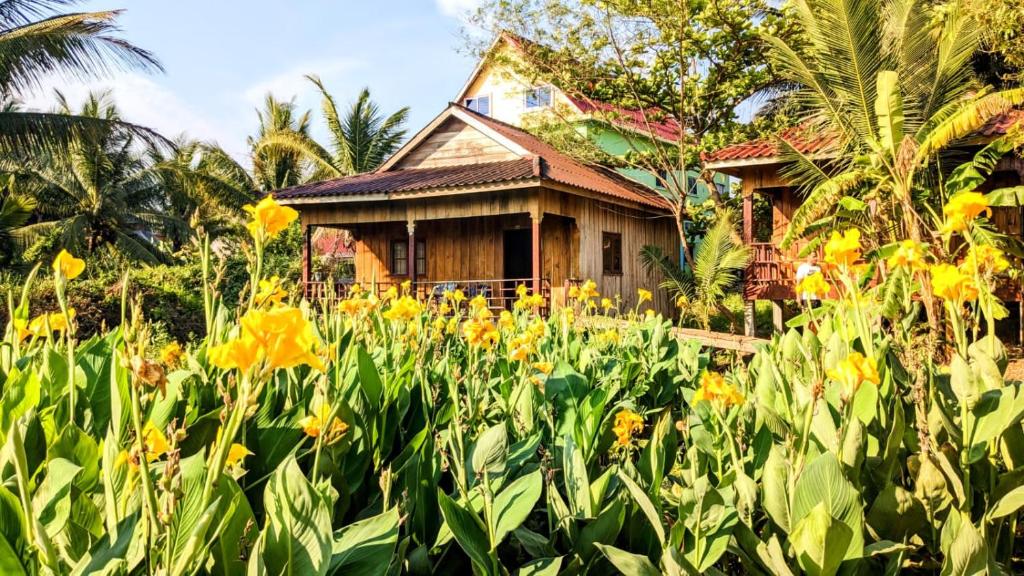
[
  {"x": 444, "y": 309},
  {"x": 643, "y": 295},
  {"x": 478, "y": 302},
  {"x": 606, "y": 304},
  {"x": 314, "y": 424},
  {"x": 284, "y": 335},
  {"x": 391, "y": 293},
  {"x": 713, "y": 388},
  {"x": 406, "y": 286},
  {"x": 269, "y": 218},
  {"x": 55, "y": 321},
  {"x": 589, "y": 290},
  {"x": 236, "y": 454},
  {"x": 627, "y": 425},
  {"x": 962, "y": 209},
  {"x": 544, "y": 367},
  {"x": 952, "y": 284},
  {"x": 481, "y": 332},
  {"x": 610, "y": 336},
  {"x": 405, "y": 309},
  {"x": 171, "y": 354},
  {"x": 843, "y": 250},
  {"x": 21, "y": 329},
  {"x": 154, "y": 442},
  {"x": 538, "y": 328},
  {"x": 682, "y": 301},
  {"x": 574, "y": 292},
  {"x": 355, "y": 289},
  {"x": 458, "y": 297},
  {"x": 241, "y": 353},
  {"x": 505, "y": 320},
  {"x": 270, "y": 292},
  {"x": 813, "y": 284},
  {"x": 522, "y": 291},
  {"x": 908, "y": 254},
  {"x": 851, "y": 371},
  {"x": 985, "y": 259},
  {"x": 67, "y": 266}
]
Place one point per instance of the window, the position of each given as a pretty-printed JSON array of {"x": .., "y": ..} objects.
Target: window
[
  {"x": 400, "y": 257},
  {"x": 662, "y": 179},
  {"x": 480, "y": 105},
  {"x": 691, "y": 185},
  {"x": 611, "y": 249},
  {"x": 539, "y": 97}
]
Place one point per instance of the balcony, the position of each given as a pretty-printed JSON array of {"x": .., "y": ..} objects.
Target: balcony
[{"x": 500, "y": 293}]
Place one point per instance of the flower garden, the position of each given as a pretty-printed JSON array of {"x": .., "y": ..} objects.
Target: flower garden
[{"x": 392, "y": 435}]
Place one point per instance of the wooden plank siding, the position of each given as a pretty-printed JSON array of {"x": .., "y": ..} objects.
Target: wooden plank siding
[{"x": 456, "y": 143}]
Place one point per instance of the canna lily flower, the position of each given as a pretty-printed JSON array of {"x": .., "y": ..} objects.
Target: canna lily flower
[
  {"x": 643, "y": 295},
  {"x": 171, "y": 354},
  {"x": 538, "y": 328},
  {"x": 962, "y": 209},
  {"x": 908, "y": 254},
  {"x": 269, "y": 218},
  {"x": 149, "y": 373},
  {"x": 55, "y": 322},
  {"x": 505, "y": 320},
  {"x": 606, "y": 304},
  {"x": 522, "y": 291},
  {"x": 314, "y": 424},
  {"x": 627, "y": 425},
  {"x": 713, "y": 388},
  {"x": 154, "y": 442},
  {"x": 481, "y": 332},
  {"x": 843, "y": 250},
  {"x": 404, "y": 309},
  {"x": 391, "y": 293},
  {"x": 589, "y": 290},
  {"x": 953, "y": 284},
  {"x": 458, "y": 297},
  {"x": 270, "y": 292},
  {"x": 853, "y": 370},
  {"x": 574, "y": 292},
  {"x": 284, "y": 335},
  {"x": 236, "y": 454},
  {"x": 67, "y": 266},
  {"x": 985, "y": 259},
  {"x": 241, "y": 353},
  {"x": 814, "y": 284},
  {"x": 610, "y": 336},
  {"x": 544, "y": 367}
]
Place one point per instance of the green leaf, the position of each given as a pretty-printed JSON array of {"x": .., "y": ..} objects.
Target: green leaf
[
  {"x": 490, "y": 451},
  {"x": 823, "y": 482},
  {"x": 298, "y": 528},
  {"x": 775, "y": 487},
  {"x": 628, "y": 563},
  {"x": 577, "y": 484},
  {"x": 514, "y": 503},
  {"x": 468, "y": 531},
  {"x": 889, "y": 111},
  {"x": 21, "y": 392},
  {"x": 228, "y": 552},
  {"x": 1008, "y": 504},
  {"x": 820, "y": 541},
  {"x": 603, "y": 529},
  {"x": 646, "y": 506},
  {"x": 52, "y": 499},
  {"x": 106, "y": 556},
  {"x": 365, "y": 548},
  {"x": 968, "y": 553},
  {"x": 541, "y": 567},
  {"x": 1012, "y": 196},
  {"x": 369, "y": 378}
]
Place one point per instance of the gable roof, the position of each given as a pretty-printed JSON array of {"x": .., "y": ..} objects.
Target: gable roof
[
  {"x": 817, "y": 144},
  {"x": 539, "y": 162},
  {"x": 640, "y": 121}
]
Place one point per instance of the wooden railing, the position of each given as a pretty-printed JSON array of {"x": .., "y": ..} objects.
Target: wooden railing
[
  {"x": 768, "y": 275},
  {"x": 500, "y": 293}
]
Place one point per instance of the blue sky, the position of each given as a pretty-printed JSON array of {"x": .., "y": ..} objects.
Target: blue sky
[{"x": 222, "y": 56}]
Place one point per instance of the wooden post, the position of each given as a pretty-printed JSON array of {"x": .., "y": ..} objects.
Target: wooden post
[
  {"x": 749, "y": 306},
  {"x": 748, "y": 215},
  {"x": 535, "y": 220},
  {"x": 307, "y": 255},
  {"x": 411, "y": 261}
]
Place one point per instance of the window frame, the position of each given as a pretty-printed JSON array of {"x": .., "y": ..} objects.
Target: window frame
[
  {"x": 614, "y": 268},
  {"x": 533, "y": 91},
  {"x": 419, "y": 258},
  {"x": 487, "y": 97}
]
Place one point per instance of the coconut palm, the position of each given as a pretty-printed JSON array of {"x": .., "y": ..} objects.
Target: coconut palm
[
  {"x": 360, "y": 140},
  {"x": 892, "y": 82},
  {"x": 38, "y": 41},
  {"x": 100, "y": 192},
  {"x": 718, "y": 261},
  {"x": 275, "y": 167},
  {"x": 14, "y": 214}
]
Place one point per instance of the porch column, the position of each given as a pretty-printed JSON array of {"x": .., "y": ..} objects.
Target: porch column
[
  {"x": 749, "y": 322},
  {"x": 411, "y": 227},
  {"x": 307, "y": 254},
  {"x": 535, "y": 220}
]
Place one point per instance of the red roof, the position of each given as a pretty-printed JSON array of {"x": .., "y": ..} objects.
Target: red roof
[
  {"x": 646, "y": 122},
  {"x": 564, "y": 169},
  {"x": 413, "y": 179},
  {"x": 807, "y": 140}
]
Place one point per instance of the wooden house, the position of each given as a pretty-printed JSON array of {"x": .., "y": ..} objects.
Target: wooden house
[
  {"x": 759, "y": 165},
  {"x": 479, "y": 204}
]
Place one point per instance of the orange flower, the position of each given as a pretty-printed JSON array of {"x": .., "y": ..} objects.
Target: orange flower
[
  {"x": 851, "y": 371},
  {"x": 315, "y": 424},
  {"x": 908, "y": 254},
  {"x": 544, "y": 367},
  {"x": 714, "y": 389},
  {"x": 985, "y": 259},
  {"x": 269, "y": 218},
  {"x": 843, "y": 250},
  {"x": 404, "y": 309},
  {"x": 241, "y": 353},
  {"x": 813, "y": 285},
  {"x": 236, "y": 454},
  {"x": 67, "y": 266},
  {"x": 284, "y": 335},
  {"x": 627, "y": 425},
  {"x": 270, "y": 292},
  {"x": 481, "y": 332},
  {"x": 962, "y": 209},
  {"x": 952, "y": 284}
]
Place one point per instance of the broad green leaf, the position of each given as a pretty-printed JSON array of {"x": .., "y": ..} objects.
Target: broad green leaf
[
  {"x": 820, "y": 541},
  {"x": 365, "y": 548},
  {"x": 628, "y": 563},
  {"x": 775, "y": 487},
  {"x": 889, "y": 111},
  {"x": 1008, "y": 504},
  {"x": 468, "y": 531},
  {"x": 52, "y": 500},
  {"x": 228, "y": 552},
  {"x": 490, "y": 451},
  {"x": 823, "y": 482},
  {"x": 968, "y": 553},
  {"x": 514, "y": 503},
  {"x": 541, "y": 567},
  {"x": 603, "y": 529},
  {"x": 369, "y": 378},
  {"x": 298, "y": 526},
  {"x": 577, "y": 483},
  {"x": 646, "y": 506},
  {"x": 106, "y": 556},
  {"x": 20, "y": 393}
]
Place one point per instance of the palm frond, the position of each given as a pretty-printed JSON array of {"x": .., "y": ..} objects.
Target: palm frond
[{"x": 819, "y": 202}]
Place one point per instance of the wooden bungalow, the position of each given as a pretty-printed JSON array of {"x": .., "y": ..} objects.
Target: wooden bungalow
[
  {"x": 759, "y": 164},
  {"x": 475, "y": 203}
]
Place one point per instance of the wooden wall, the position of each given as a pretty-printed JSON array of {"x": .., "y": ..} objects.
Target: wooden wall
[{"x": 454, "y": 143}]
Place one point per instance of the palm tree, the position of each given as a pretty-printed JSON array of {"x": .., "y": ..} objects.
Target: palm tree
[
  {"x": 361, "y": 140},
  {"x": 276, "y": 167},
  {"x": 101, "y": 192},
  {"x": 895, "y": 87},
  {"x": 718, "y": 261},
  {"x": 36, "y": 42},
  {"x": 14, "y": 214}
]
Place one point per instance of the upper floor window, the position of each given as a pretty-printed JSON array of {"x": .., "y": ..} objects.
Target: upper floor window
[
  {"x": 611, "y": 253},
  {"x": 538, "y": 97},
  {"x": 400, "y": 257},
  {"x": 479, "y": 104}
]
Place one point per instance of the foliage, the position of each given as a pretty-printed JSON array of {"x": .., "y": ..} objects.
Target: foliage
[{"x": 718, "y": 262}]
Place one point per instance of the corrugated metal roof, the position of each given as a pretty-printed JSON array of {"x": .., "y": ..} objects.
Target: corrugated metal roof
[{"x": 414, "y": 179}]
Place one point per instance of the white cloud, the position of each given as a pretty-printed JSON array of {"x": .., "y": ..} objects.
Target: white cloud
[
  {"x": 141, "y": 100},
  {"x": 457, "y": 8},
  {"x": 293, "y": 82}
]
